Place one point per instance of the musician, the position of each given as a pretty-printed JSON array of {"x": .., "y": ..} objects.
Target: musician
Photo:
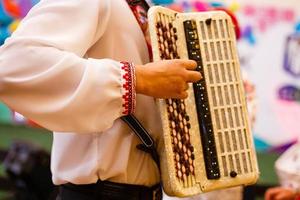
[{"x": 75, "y": 67}]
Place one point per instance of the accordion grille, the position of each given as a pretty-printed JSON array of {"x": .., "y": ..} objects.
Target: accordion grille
[{"x": 224, "y": 86}]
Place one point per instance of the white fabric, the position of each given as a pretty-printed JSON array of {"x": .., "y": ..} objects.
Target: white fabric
[
  {"x": 61, "y": 69},
  {"x": 288, "y": 167}
]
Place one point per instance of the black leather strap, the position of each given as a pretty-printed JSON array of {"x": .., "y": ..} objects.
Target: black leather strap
[
  {"x": 148, "y": 144},
  {"x": 139, "y": 130}
]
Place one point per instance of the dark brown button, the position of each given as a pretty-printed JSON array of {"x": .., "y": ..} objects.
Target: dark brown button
[
  {"x": 192, "y": 148},
  {"x": 233, "y": 174},
  {"x": 188, "y": 125},
  {"x": 187, "y": 118},
  {"x": 193, "y": 157}
]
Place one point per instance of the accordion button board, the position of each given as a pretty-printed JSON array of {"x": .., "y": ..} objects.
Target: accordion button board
[
  {"x": 207, "y": 141},
  {"x": 202, "y": 105}
]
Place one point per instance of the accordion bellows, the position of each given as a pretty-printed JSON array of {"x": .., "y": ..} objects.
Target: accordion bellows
[{"x": 207, "y": 139}]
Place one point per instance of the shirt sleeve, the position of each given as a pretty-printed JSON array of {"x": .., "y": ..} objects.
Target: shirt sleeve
[{"x": 45, "y": 76}]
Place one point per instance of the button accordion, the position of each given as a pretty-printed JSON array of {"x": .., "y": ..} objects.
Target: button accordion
[{"x": 207, "y": 142}]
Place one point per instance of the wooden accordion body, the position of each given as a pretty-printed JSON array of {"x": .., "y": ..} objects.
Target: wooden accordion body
[{"x": 207, "y": 140}]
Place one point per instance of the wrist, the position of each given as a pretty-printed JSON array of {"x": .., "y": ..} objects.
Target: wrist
[{"x": 140, "y": 81}]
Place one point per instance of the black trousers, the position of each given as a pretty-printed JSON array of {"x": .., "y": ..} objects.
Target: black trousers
[{"x": 104, "y": 190}]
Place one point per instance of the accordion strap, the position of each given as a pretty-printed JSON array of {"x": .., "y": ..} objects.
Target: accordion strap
[{"x": 148, "y": 144}]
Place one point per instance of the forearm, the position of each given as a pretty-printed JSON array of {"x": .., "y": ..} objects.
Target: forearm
[
  {"x": 43, "y": 73},
  {"x": 60, "y": 90}
]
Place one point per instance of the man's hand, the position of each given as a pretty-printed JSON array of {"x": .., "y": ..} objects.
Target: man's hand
[
  {"x": 167, "y": 78},
  {"x": 280, "y": 193}
]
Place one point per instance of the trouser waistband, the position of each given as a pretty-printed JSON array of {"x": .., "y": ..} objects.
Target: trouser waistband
[{"x": 106, "y": 190}]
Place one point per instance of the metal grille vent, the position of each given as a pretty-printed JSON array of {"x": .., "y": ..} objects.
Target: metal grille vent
[{"x": 221, "y": 67}]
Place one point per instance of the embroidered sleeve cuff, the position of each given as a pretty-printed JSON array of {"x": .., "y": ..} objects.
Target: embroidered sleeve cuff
[{"x": 128, "y": 88}]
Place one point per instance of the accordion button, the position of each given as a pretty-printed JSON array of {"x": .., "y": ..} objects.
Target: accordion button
[
  {"x": 208, "y": 21},
  {"x": 191, "y": 169},
  {"x": 173, "y": 124},
  {"x": 193, "y": 157},
  {"x": 179, "y": 174},
  {"x": 179, "y": 137},
  {"x": 187, "y": 137},
  {"x": 178, "y": 165},
  {"x": 161, "y": 39},
  {"x": 187, "y": 118},
  {"x": 168, "y": 35},
  {"x": 186, "y": 157},
  {"x": 166, "y": 43},
  {"x": 186, "y": 130},
  {"x": 181, "y": 125},
  {"x": 174, "y": 133},
  {"x": 175, "y": 113},
  {"x": 184, "y": 149},
  {"x": 180, "y": 145},
  {"x": 183, "y": 169},
  {"x": 175, "y": 141},
  {"x": 160, "y": 31},
  {"x": 177, "y": 157},
  {"x": 184, "y": 121},
  {"x": 180, "y": 118},
  {"x": 189, "y": 153},
  {"x": 174, "y": 104},
  {"x": 192, "y": 149},
  {"x": 233, "y": 174},
  {"x": 188, "y": 125}
]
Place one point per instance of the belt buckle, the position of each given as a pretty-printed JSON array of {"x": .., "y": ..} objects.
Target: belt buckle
[{"x": 157, "y": 193}]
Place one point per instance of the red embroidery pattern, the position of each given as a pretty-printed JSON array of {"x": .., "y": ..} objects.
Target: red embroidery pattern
[{"x": 129, "y": 88}]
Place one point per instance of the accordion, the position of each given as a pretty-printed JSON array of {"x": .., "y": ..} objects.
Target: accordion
[{"x": 207, "y": 143}]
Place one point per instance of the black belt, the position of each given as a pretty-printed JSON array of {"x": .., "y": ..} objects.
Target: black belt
[{"x": 103, "y": 190}]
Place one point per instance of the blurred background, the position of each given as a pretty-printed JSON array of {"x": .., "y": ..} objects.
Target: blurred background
[{"x": 269, "y": 50}]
